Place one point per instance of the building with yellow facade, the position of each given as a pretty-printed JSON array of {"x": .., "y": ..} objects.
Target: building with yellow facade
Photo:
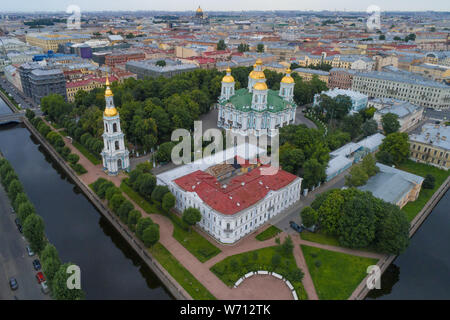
[{"x": 50, "y": 41}]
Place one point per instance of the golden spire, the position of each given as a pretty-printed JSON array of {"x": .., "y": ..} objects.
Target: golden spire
[
  {"x": 108, "y": 92},
  {"x": 287, "y": 78},
  {"x": 228, "y": 77}
]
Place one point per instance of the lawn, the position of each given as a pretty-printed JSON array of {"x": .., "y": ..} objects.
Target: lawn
[
  {"x": 91, "y": 157},
  {"x": 335, "y": 275},
  {"x": 269, "y": 233},
  {"x": 319, "y": 238},
  {"x": 200, "y": 247},
  {"x": 234, "y": 267},
  {"x": 180, "y": 273},
  {"x": 413, "y": 208}
]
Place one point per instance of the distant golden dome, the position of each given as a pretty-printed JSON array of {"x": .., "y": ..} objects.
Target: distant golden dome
[
  {"x": 110, "y": 112},
  {"x": 260, "y": 86},
  {"x": 199, "y": 9},
  {"x": 257, "y": 75},
  {"x": 228, "y": 79}
]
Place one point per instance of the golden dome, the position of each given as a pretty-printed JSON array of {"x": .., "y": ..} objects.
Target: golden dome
[
  {"x": 287, "y": 78},
  {"x": 258, "y": 62},
  {"x": 260, "y": 86},
  {"x": 228, "y": 79},
  {"x": 257, "y": 75},
  {"x": 228, "y": 70},
  {"x": 199, "y": 9},
  {"x": 110, "y": 112},
  {"x": 108, "y": 92}
]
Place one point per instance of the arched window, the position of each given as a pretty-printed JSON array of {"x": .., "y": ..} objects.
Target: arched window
[
  {"x": 116, "y": 144},
  {"x": 106, "y": 127},
  {"x": 115, "y": 127}
]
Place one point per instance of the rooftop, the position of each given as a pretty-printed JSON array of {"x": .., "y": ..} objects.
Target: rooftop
[
  {"x": 242, "y": 101},
  {"x": 402, "y": 110},
  {"x": 402, "y": 77},
  {"x": 437, "y": 135}
]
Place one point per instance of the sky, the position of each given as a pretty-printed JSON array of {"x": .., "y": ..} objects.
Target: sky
[{"x": 228, "y": 5}]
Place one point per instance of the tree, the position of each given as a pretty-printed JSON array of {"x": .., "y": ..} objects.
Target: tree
[
  {"x": 357, "y": 177},
  {"x": 393, "y": 237},
  {"x": 164, "y": 152},
  {"x": 369, "y": 165},
  {"x": 50, "y": 266},
  {"x": 142, "y": 224},
  {"x": 168, "y": 201},
  {"x": 330, "y": 211},
  {"x": 260, "y": 48},
  {"x": 133, "y": 218},
  {"x": 151, "y": 235},
  {"x": 243, "y": 47},
  {"x": 159, "y": 192},
  {"x": 309, "y": 216},
  {"x": 397, "y": 145},
  {"x": 385, "y": 158},
  {"x": 429, "y": 182},
  {"x": 146, "y": 183},
  {"x": 124, "y": 210},
  {"x": 313, "y": 173},
  {"x": 116, "y": 201},
  {"x": 358, "y": 223},
  {"x": 25, "y": 209},
  {"x": 49, "y": 252},
  {"x": 390, "y": 123},
  {"x": 191, "y": 216},
  {"x": 33, "y": 229},
  {"x": 221, "y": 45},
  {"x": 352, "y": 124},
  {"x": 369, "y": 127},
  {"x": 73, "y": 158},
  {"x": 20, "y": 198},
  {"x": 291, "y": 158},
  {"x": 161, "y": 63},
  {"x": 14, "y": 188},
  {"x": 60, "y": 291},
  {"x": 286, "y": 247},
  {"x": 382, "y": 37},
  {"x": 30, "y": 114}
]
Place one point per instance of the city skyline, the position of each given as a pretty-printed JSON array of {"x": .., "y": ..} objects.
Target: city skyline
[{"x": 231, "y": 5}]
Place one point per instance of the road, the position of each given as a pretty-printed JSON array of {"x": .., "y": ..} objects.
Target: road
[
  {"x": 443, "y": 115},
  {"x": 14, "y": 261},
  {"x": 18, "y": 96}
]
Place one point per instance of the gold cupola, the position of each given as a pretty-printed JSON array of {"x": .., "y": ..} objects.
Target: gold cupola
[
  {"x": 108, "y": 92},
  {"x": 287, "y": 78},
  {"x": 228, "y": 77},
  {"x": 110, "y": 110},
  {"x": 260, "y": 86}
]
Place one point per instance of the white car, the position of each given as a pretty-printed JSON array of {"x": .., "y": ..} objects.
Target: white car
[{"x": 30, "y": 252}]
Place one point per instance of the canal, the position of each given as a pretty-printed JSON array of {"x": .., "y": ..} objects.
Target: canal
[
  {"x": 423, "y": 270},
  {"x": 4, "y": 109},
  {"x": 110, "y": 269}
]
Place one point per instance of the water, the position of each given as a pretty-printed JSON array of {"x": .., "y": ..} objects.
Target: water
[
  {"x": 110, "y": 269},
  {"x": 423, "y": 270},
  {"x": 4, "y": 109}
]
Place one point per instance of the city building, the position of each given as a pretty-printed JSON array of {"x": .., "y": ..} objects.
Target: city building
[
  {"x": 408, "y": 114},
  {"x": 87, "y": 84},
  {"x": 403, "y": 86},
  {"x": 343, "y": 158},
  {"x": 393, "y": 185},
  {"x": 115, "y": 58},
  {"x": 359, "y": 100},
  {"x": 149, "y": 68},
  {"x": 46, "y": 81},
  {"x": 50, "y": 41},
  {"x": 340, "y": 78},
  {"x": 256, "y": 109},
  {"x": 115, "y": 155},
  {"x": 231, "y": 192},
  {"x": 12, "y": 76},
  {"x": 431, "y": 145},
  {"x": 308, "y": 74},
  {"x": 432, "y": 71}
]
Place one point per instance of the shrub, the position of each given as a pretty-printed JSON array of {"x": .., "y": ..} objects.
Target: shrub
[
  {"x": 73, "y": 158},
  {"x": 150, "y": 235},
  {"x": 142, "y": 225},
  {"x": 309, "y": 217},
  {"x": 429, "y": 182}
]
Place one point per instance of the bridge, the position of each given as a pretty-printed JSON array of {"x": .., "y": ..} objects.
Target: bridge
[{"x": 10, "y": 118}]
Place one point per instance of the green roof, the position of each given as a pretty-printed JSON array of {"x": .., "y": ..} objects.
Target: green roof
[{"x": 242, "y": 101}]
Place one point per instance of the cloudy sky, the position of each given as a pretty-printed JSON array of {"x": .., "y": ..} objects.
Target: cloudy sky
[{"x": 228, "y": 5}]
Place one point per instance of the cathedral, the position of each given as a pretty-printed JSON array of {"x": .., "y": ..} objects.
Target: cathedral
[
  {"x": 256, "y": 109},
  {"x": 115, "y": 155}
]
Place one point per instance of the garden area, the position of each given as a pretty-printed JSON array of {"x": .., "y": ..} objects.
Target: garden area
[
  {"x": 279, "y": 259},
  {"x": 413, "y": 208},
  {"x": 180, "y": 273},
  {"x": 335, "y": 275},
  {"x": 267, "y": 234}
]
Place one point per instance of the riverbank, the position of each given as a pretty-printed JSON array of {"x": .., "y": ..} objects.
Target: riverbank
[
  {"x": 14, "y": 108},
  {"x": 177, "y": 291},
  {"x": 362, "y": 291}
]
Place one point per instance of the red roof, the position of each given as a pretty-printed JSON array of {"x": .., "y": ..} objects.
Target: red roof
[
  {"x": 240, "y": 193},
  {"x": 79, "y": 83}
]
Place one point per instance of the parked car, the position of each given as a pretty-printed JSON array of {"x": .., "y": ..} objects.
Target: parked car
[
  {"x": 13, "y": 284},
  {"x": 12, "y": 210},
  {"x": 30, "y": 252},
  {"x": 295, "y": 226},
  {"x": 18, "y": 224},
  {"x": 44, "y": 287},
  {"x": 36, "y": 264},
  {"x": 40, "y": 277}
]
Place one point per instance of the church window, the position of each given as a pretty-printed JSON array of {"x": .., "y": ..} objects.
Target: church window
[
  {"x": 116, "y": 144},
  {"x": 115, "y": 127}
]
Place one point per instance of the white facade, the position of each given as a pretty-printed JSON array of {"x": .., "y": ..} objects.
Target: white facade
[
  {"x": 229, "y": 228},
  {"x": 115, "y": 155}
]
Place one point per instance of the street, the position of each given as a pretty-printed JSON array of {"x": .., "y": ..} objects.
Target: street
[
  {"x": 443, "y": 115},
  {"x": 14, "y": 260},
  {"x": 18, "y": 96}
]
